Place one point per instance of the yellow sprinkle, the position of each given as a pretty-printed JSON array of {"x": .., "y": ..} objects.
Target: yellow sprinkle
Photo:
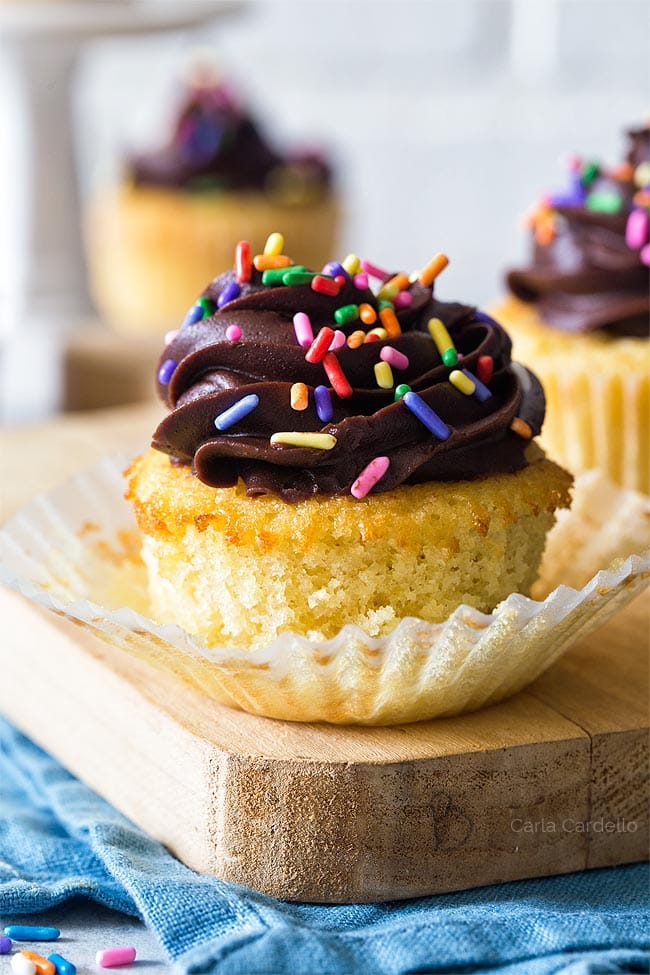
[
  {"x": 274, "y": 245},
  {"x": 356, "y": 339},
  {"x": 440, "y": 335},
  {"x": 319, "y": 441},
  {"x": 413, "y": 276},
  {"x": 299, "y": 396},
  {"x": 462, "y": 382},
  {"x": 379, "y": 332},
  {"x": 388, "y": 291},
  {"x": 384, "y": 375},
  {"x": 389, "y": 320},
  {"x": 351, "y": 264},
  {"x": 430, "y": 272}
]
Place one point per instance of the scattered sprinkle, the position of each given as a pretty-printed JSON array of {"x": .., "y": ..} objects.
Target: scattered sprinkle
[
  {"x": 403, "y": 299},
  {"x": 374, "y": 271},
  {"x": 346, "y": 314},
  {"x": 481, "y": 392},
  {"x": 430, "y": 271},
  {"x": 5, "y": 945},
  {"x": 229, "y": 293},
  {"x": 369, "y": 476},
  {"x": 243, "y": 263},
  {"x": 233, "y": 333},
  {"x": 377, "y": 335},
  {"x": 351, "y": 264},
  {"x": 389, "y": 320},
  {"x": 521, "y": 428},
  {"x": 237, "y": 412},
  {"x": 361, "y": 281},
  {"x": 114, "y": 957},
  {"x": 319, "y": 441},
  {"x": 62, "y": 965},
  {"x": 443, "y": 341},
  {"x": 336, "y": 376},
  {"x": 320, "y": 346},
  {"x": 42, "y": 965},
  {"x": 31, "y": 932},
  {"x": 323, "y": 400},
  {"x": 335, "y": 270},
  {"x": 636, "y": 229},
  {"x": 195, "y": 314},
  {"x": 274, "y": 245},
  {"x": 170, "y": 336},
  {"x": 269, "y": 262},
  {"x": 401, "y": 390},
  {"x": 384, "y": 375},
  {"x": 206, "y": 306},
  {"x": 299, "y": 396},
  {"x": 642, "y": 174},
  {"x": 428, "y": 417},
  {"x": 367, "y": 314},
  {"x": 325, "y": 286},
  {"x": 165, "y": 373},
  {"x": 338, "y": 341},
  {"x": 604, "y": 201},
  {"x": 485, "y": 368},
  {"x": 356, "y": 339},
  {"x": 394, "y": 357},
  {"x": 462, "y": 382},
  {"x": 302, "y": 328},
  {"x": 297, "y": 276}
]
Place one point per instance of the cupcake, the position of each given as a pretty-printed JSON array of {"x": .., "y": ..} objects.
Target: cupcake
[
  {"x": 335, "y": 453},
  {"x": 578, "y": 315},
  {"x": 181, "y": 210}
]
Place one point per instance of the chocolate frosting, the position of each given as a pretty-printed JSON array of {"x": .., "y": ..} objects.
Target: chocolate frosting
[
  {"x": 586, "y": 277},
  {"x": 212, "y": 373},
  {"x": 216, "y": 145}
]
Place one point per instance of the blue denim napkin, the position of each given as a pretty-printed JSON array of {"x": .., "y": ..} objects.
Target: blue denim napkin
[{"x": 58, "y": 840}]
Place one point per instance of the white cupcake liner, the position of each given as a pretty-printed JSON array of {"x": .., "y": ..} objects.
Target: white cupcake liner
[{"x": 71, "y": 552}]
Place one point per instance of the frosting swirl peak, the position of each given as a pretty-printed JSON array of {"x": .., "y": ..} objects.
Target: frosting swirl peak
[{"x": 240, "y": 362}]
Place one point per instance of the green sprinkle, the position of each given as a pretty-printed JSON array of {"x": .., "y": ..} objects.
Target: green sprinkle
[
  {"x": 274, "y": 275},
  {"x": 450, "y": 357},
  {"x": 604, "y": 202},
  {"x": 207, "y": 306},
  {"x": 346, "y": 313},
  {"x": 589, "y": 172},
  {"x": 297, "y": 276},
  {"x": 401, "y": 390},
  {"x": 384, "y": 304}
]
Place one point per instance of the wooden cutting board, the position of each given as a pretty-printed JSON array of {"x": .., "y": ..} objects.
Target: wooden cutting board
[{"x": 551, "y": 781}]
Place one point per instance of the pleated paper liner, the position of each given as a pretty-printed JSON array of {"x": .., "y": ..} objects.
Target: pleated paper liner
[{"x": 76, "y": 552}]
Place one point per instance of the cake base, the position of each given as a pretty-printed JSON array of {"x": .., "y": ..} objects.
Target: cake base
[{"x": 551, "y": 781}]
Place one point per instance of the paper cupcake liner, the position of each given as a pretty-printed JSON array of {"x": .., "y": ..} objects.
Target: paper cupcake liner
[{"x": 75, "y": 552}]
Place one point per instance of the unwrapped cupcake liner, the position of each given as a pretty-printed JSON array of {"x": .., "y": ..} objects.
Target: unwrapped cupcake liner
[{"x": 75, "y": 552}]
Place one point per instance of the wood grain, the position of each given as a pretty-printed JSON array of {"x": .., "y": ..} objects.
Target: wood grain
[{"x": 321, "y": 813}]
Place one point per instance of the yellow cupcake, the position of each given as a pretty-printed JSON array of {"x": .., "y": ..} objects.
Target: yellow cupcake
[{"x": 239, "y": 571}]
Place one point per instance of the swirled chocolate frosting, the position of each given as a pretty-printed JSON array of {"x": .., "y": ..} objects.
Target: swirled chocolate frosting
[
  {"x": 216, "y": 145},
  {"x": 590, "y": 254},
  {"x": 203, "y": 373}
]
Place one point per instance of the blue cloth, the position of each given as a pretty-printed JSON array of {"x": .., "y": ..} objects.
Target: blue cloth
[{"x": 58, "y": 839}]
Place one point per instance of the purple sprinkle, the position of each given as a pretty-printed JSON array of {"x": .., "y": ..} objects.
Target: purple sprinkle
[
  {"x": 480, "y": 316},
  {"x": 481, "y": 392},
  {"x": 5, "y": 946},
  {"x": 229, "y": 293},
  {"x": 166, "y": 371},
  {"x": 323, "y": 400},
  {"x": 195, "y": 314},
  {"x": 333, "y": 269}
]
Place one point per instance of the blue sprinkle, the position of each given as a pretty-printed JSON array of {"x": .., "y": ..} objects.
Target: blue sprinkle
[
  {"x": 323, "y": 400},
  {"x": 62, "y": 965},
  {"x": 481, "y": 392},
  {"x": 236, "y": 412},
  {"x": 428, "y": 417},
  {"x": 31, "y": 932},
  {"x": 166, "y": 371},
  {"x": 480, "y": 316},
  {"x": 229, "y": 293},
  {"x": 195, "y": 314}
]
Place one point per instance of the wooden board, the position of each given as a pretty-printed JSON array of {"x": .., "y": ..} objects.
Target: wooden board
[{"x": 553, "y": 780}]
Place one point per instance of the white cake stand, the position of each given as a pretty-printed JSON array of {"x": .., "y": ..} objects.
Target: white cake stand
[{"x": 42, "y": 270}]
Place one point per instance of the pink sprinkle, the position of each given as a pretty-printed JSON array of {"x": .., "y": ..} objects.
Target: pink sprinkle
[
  {"x": 170, "y": 336},
  {"x": 403, "y": 299},
  {"x": 361, "y": 281},
  {"x": 394, "y": 357},
  {"x": 369, "y": 477},
  {"x": 374, "y": 271},
  {"x": 573, "y": 163},
  {"x": 339, "y": 339},
  {"x": 113, "y": 957},
  {"x": 233, "y": 333},
  {"x": 304, "y": 331},
  {"x": 636, "y": 229},
  {"x": 645, "y": 255}
]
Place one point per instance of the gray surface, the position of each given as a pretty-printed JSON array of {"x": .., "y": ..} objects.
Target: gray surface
[{"x": 86, "y": 928}]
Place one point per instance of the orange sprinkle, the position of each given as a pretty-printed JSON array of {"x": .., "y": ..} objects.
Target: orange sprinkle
[
  {"x": 429, "y": 273},
  {"x": 641, "y": 199},
  {"x": 623, "y": 172},
  {"x": 545, "y": 231},
  {"x": 400, "y": 281},
  {"x": 299, "y": 396},
  {"x": 268, "y": 262},
  {"x": 367, "y": 314},
  {"x": 521, "y": 428},
  {"x": 388, "y": 319},
  {"x": 356, "y": 339}
]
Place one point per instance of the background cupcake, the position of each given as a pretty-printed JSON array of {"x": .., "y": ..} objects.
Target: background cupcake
[
  {"x": 579, "y": 315},
  {"x": 182, "y": 209}
]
